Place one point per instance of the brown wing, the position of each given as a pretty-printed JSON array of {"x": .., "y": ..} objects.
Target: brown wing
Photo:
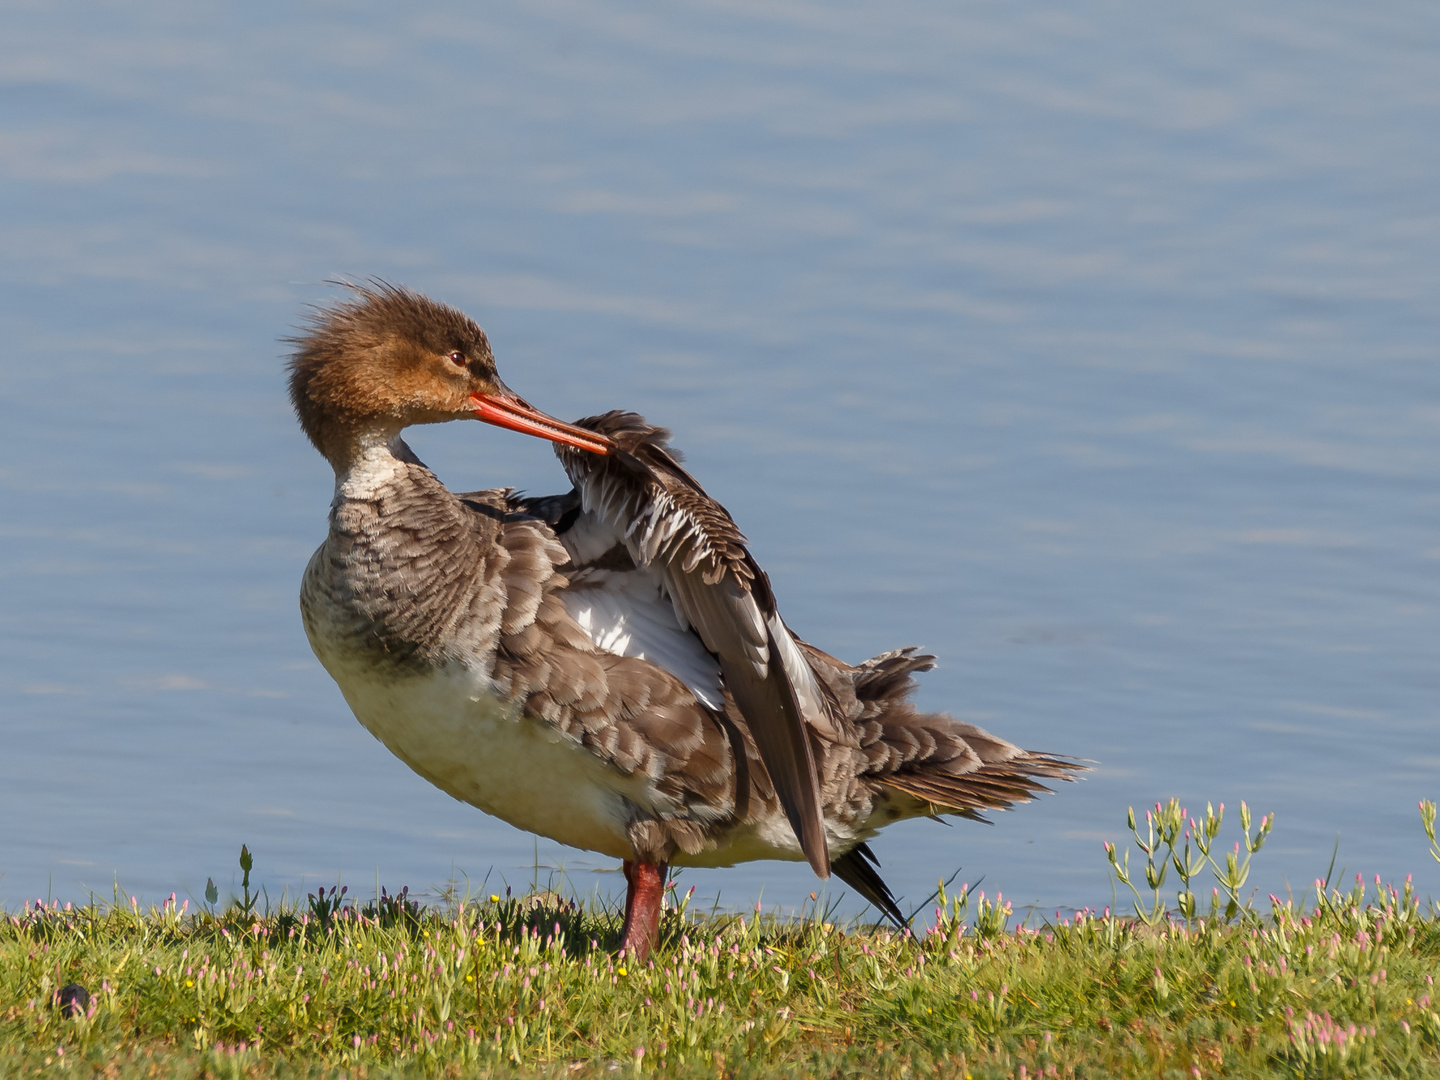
[
  {"x": 641, "y": 495},
  {"x": 634, "y": 715}
]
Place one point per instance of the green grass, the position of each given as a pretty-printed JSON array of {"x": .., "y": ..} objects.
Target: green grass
[{"x": 1339, "y": 985}]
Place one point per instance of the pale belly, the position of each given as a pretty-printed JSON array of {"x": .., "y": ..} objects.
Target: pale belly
[
  {"x": 769, "y": 839},
  {"x": 450, "y": 729}
]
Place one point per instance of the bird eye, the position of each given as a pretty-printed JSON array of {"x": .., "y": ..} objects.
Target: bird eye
[{"x": 457, "y": 358}]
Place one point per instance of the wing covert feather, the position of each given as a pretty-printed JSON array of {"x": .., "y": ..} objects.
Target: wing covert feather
[{"x": 668, "y": 523}]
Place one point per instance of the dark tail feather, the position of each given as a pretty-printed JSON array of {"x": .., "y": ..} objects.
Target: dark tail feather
[
  {"x": 993, "y": 786},
  {"x": 858, "y": 869}
]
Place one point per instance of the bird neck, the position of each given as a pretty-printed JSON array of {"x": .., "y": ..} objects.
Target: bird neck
[
  {"x": 373, "y": 461},
  {"x": 344, "y": 444}
]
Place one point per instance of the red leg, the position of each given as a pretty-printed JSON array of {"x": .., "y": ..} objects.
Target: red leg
[
  {"x": 628, "y": 866},
  {"x": 646, "y": 886}
]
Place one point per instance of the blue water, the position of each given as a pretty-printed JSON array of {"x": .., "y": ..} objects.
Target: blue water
[{"x": 1092, "y": 347}]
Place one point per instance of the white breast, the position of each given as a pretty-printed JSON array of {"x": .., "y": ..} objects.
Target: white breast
[{"x": 450, "y": 728}]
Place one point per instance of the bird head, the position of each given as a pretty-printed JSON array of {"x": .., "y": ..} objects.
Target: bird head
[{"x": 387, "y": 357}]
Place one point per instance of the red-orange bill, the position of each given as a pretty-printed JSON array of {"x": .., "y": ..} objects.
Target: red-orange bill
[{"x": 518, "y": 415}]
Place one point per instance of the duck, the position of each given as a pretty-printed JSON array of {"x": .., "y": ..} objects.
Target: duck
[{"x": 606, "y": 667}]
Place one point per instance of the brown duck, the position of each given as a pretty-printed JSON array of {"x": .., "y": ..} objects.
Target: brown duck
[{"x": 607, "y": 667}]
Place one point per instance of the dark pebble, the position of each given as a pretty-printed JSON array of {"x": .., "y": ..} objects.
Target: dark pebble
[{"x": 73, "y": 999}]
